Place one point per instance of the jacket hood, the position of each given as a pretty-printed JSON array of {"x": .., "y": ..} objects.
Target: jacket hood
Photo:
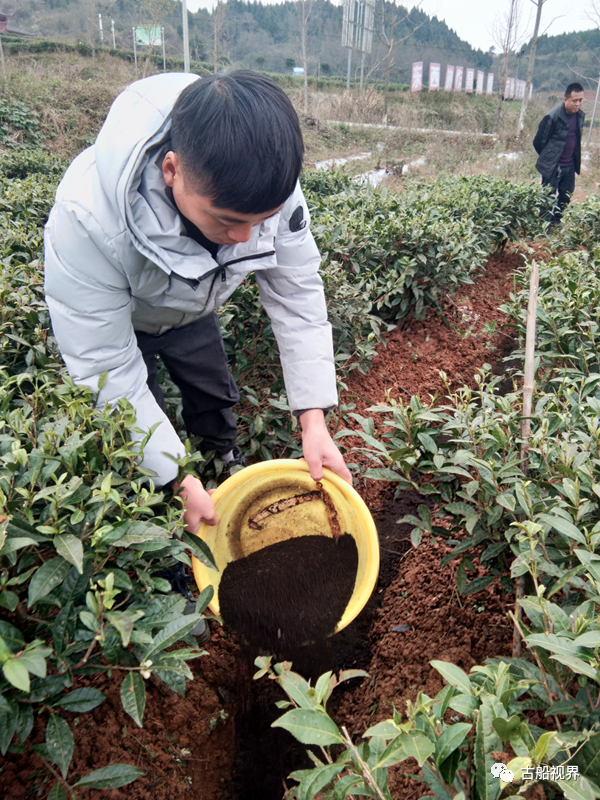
[
  {"x": 138, "y": 117},
  {"x": 129, "y": 152},
  {"x": 127, "y": 159}
]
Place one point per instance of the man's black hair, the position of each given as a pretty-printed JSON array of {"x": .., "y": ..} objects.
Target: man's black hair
[
  {"x": 239, "y": 141},
  {"x": 573, "y": 87}
]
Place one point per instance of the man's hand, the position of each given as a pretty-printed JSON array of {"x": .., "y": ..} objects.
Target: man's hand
[
  {"x": 198, "y": 504},
  {"x": 319, "y": 448}
]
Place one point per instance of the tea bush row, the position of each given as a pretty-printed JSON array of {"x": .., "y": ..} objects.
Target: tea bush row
[
  {"x": 84, "y": 537},
  {"x": 406, "y": 251},
  {"x": 581, "y": 224},
  {"x": 455, "y": 757},
  {"x": 540, "y": 521},
  {"x": 385, "y": 256}
]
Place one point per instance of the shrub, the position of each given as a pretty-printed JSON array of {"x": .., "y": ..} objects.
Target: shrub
[
  {"x": 456, "y": 758},
  {"x": 541, "y": 522},
  {"x": 22, "y": 163},
  {"x": 581, "y": 224},
  {"x": 84, "y": 536},
  {"x": 407, "y": 251}
]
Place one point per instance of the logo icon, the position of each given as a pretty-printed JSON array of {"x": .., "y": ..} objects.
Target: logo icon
[{"x": 501, "y": 771}]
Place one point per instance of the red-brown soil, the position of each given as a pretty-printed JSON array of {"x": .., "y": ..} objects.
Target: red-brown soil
[{"x": 187, "y": 747}]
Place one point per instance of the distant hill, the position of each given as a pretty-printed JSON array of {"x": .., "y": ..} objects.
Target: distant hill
[
  {"x": 254, "y": 35},
  {"x": 562, "y": 59}
]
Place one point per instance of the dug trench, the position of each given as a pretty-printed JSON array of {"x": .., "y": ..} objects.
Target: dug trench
[{"x": 217, "y": 743}]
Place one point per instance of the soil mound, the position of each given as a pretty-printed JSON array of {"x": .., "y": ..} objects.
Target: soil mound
[{"x": 289, "y": 593}]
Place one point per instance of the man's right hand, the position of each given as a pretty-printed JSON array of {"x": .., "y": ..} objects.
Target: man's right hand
[{"x": 198, "y": 504}]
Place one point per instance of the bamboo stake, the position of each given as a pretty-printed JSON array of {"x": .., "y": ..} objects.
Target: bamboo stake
[
  {"x": 5, "y": 82},
  {"x": 526, "y": 424}
]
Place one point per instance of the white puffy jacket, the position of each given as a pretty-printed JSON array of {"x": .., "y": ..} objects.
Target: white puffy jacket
[{"x": 117, "y": 260}]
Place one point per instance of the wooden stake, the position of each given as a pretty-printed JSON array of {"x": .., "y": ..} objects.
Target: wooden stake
[
  {"x": 5, "y": 82},
  {"x": 526, "y": 424}
]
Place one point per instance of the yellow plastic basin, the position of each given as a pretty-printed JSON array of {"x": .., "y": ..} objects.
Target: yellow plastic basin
[{"x": 246, "y": 525}]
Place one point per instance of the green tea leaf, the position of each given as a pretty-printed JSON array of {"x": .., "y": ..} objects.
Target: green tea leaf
[
  {"x": 9, "y": 717},
  {"x": 133, "y": 696},
  {"x": 581, "y": 789},
  {"x": 50, "y": 575},
  {"x": 16, "y": 674},
  {"x": 71, "y": 549},
  {"x": 450, "y": 740},
  {"x": 454, "y": 676},
  {"x": 81, "y": 700},
  {"x": 317, "y": 780},
  {"x": 486, "y": 742},
  {"x": 200, "y": 549},
  {"x": 59, "y": 743},
  {"x": 310, "y": 726},
  {"x": 564, "y": 526},
  {"x": 57, "y": 792},
  {"x": 112, "y": 777},
  {"x": 172, "y": 633},
  {"x": 25, "y": 722}
]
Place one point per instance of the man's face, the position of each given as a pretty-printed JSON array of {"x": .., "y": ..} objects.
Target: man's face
[
  {"x": 573, "y": 102},
  {"x": 218, "y": 224}
]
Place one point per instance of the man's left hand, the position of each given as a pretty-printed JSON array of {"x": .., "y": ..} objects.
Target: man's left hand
[{"x": 318, "y": 447}]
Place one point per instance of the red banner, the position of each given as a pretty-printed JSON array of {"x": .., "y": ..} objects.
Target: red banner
[
  {"x": 416, "y": 83},
  {"x": 469, "y": 80},
  {"x": 490, "y": 83},
  {"x": 480, "y": 80},
  {"x": 434, "y": 77},
  {"x": 458, "y": 79},
  {"x": 449, "y": 84}
]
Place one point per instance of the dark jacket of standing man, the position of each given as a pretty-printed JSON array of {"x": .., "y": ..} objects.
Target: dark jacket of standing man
[{"x": 558, "y": 144}]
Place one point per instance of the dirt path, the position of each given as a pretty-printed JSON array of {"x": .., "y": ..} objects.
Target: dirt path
[{"x": 217, "y": 744}]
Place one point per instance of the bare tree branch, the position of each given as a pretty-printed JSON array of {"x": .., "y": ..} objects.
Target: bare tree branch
[
  {"x": 508, "y": 36},
  {"x": 303, "y": 10},
  {"x": 390, "y": 41},
  {"x": 539, "y": 4}
]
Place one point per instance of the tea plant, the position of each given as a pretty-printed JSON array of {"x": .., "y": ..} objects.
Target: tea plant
[
  {"x": 406, "y": 251},
  {"x": 85, "y": 538},
  {"x": 542, "y": 523},
  {"x": 581, "y": 224},
  {"x": 19, "y": 124},
  {"x": 456, "y": 757}
]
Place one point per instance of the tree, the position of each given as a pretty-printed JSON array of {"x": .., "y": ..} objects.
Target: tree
[
  {"x": 388, "y": 36},
  {"x": 260, "y": 62},
  {"x": 507, "y": 37},
  {"x": 151, "y": 15},
  {"x": 534, "y": 40},
  {"x": 218, "y": 31},
  {"x": 290, "y": 63},
  {"x": 303, "y": 9}
]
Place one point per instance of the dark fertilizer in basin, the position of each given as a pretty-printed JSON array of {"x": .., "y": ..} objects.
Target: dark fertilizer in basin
[{"x": 290, "y": 593}]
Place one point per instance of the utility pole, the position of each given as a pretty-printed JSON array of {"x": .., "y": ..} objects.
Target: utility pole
[
  {"x": 349, "y": 68},
  {"x": 135, "y": 53},
  {"x": 186, "y": 37},
  {"x": 100, "y": 26},
  {"x": 534, "y": 40},
  {"x": 112, "y": 30},
  {"x": 594, "y": 112},
  {"x": 162, "y": 32}
]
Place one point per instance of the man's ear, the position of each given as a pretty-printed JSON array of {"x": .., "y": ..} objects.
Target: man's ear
[{"x": 171, "y": 168}]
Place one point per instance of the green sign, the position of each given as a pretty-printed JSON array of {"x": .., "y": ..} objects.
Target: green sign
[{"x": 148, "y": 36}]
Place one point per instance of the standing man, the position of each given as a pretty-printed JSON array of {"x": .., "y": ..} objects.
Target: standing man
[
  {"x": 558, "y": 144},
  {"x": 191, "y": 185}
]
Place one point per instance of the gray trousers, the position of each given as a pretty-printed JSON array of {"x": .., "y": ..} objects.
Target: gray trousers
[
  {"x": 562, "y": 182},
  {"x": 195, "y": 358}
]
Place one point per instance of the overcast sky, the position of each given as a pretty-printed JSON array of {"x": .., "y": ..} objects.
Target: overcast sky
[{"x": 473, "y": 19}]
